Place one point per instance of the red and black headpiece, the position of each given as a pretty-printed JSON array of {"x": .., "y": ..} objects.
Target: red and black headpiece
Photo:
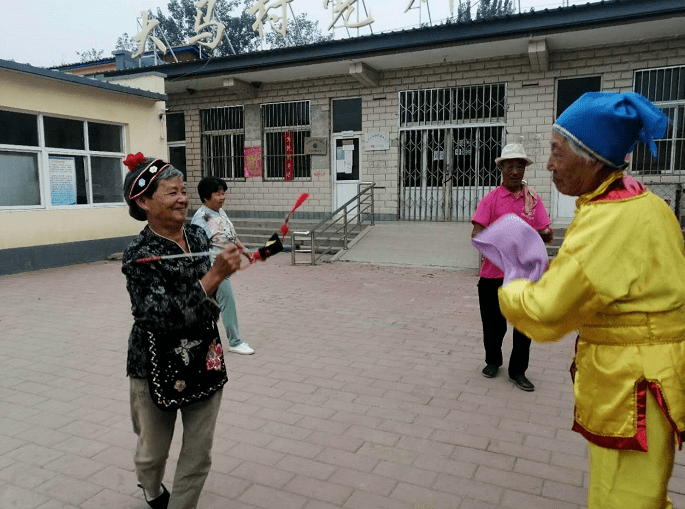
[{"x": 146, "y": 175}]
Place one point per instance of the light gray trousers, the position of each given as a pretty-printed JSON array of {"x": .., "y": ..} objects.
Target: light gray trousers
[
  {"x": 229, "y": 313},
  {"x": 155, "y": 429}
]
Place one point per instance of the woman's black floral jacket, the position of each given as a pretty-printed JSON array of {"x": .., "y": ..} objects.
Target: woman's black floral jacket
[{"x": 166, "y": 295}]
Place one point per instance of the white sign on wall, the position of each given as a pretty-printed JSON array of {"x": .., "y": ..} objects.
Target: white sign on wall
[
  {"x": 377, "y": 141},
  {"x": 62, "y": 180}
]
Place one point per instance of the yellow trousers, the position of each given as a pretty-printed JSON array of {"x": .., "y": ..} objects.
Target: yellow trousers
[{"x": 634, "y": 479}]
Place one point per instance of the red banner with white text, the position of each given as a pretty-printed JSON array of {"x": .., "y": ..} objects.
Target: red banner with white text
[{"x": 289, "y": 162}]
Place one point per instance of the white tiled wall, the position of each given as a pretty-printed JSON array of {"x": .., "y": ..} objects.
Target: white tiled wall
[{"x": 531, "y": 101}]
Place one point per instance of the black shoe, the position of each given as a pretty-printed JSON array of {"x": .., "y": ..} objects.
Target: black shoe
[
  {"x": 161, "y": 502},
  {"x": 490, "y": 371},
  {"x": 522, "y": 383}
]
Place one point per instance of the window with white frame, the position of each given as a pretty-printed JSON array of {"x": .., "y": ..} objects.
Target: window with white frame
[
  {"x": 665, "y": 87},
  {"x": 50, "y": 161},
  {"x": 222, "y": 131},
  {"x": 285, "y": 127}
]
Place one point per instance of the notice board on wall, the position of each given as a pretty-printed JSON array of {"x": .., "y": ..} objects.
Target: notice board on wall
[{"x": 62, "y": 180}]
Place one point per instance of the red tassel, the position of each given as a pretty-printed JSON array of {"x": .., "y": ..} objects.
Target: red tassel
[{"x": 300, "y": 201}]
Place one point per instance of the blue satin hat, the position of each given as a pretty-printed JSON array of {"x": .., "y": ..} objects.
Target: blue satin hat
[{"x": 608, "y": 124}]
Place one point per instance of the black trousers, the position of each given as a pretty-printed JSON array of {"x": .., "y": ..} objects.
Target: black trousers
[{"x": 495, "y": 327}]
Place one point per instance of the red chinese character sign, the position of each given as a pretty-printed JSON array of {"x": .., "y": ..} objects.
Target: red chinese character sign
[
  {"x": 253, "y": 161},
  {"x": 289, "y": 163}
]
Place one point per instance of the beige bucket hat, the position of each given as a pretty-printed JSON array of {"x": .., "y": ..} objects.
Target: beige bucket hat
[{"x": 514, "y": 151}]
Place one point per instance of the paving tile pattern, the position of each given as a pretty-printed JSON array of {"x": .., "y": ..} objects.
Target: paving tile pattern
[{"x": 365, "y": 393}]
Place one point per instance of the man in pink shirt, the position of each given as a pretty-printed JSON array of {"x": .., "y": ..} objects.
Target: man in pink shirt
[{"x": 513, "y": 196}]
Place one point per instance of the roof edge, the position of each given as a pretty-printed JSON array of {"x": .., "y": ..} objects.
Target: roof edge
[{"x": 79, "y": 80}]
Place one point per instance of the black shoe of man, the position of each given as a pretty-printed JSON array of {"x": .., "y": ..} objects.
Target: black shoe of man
[
  {"x": 490, "y": 371},
  {"x": 523, "y": 383}
]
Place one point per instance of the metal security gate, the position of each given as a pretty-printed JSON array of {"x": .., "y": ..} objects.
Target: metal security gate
[
  {"x": 449, "y": 139},
  {"x": 665, "y": 174}
]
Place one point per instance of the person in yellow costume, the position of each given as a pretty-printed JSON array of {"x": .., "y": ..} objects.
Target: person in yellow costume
[{"x": 619, "y": 279}]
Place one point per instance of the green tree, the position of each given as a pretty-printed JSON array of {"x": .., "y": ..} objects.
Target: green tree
[
  {"x": 91, "y": 54},
  {"x": 301, "y": 30},
  {"x": 179, "y": 26},
  {"x": 486, "y": 9},
  {"x": 127, "y": 43},
  {"x": 490, "y": 8},
  {"x": 464, "y": 11}
]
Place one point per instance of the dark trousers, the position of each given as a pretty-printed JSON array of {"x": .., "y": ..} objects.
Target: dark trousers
[{"x": 495, "y": 327}]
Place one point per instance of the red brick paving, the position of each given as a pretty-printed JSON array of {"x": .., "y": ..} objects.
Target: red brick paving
[{"x": 365, "y": 392}]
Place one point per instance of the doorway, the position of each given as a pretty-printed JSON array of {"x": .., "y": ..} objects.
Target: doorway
[{"x": 346, "y": 166}]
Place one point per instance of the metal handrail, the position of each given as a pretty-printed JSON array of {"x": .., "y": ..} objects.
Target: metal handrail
[{"x": 364, "y": 205}]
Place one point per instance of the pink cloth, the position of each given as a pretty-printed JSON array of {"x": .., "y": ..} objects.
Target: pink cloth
[
  {"x": 499, "y": 202},
  {"x": 514, "y": 246},
  {"x": 531, "y": 199}
]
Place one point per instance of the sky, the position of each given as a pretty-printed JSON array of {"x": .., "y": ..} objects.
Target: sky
[{"x": 46, "y": 33}]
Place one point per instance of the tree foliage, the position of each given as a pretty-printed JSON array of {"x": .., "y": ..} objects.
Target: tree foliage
[
  {"x": 490, "y": 8},
  {"x": 301, "y": 30},
  {"x": 126, "y": 42},
  {"x": 486, "y": 9},
  {"x": 179, "y": 26},
  {"x": 464, "y": 11},
  {"x": 91, "y": 54}
]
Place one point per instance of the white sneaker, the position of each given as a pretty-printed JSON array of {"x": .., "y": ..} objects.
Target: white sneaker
[{"x": 242, "y": 348}]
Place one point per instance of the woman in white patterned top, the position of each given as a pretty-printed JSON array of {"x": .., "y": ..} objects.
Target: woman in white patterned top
[{"x": 220, "y": 231}]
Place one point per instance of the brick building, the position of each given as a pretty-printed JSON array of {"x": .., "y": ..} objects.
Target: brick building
[
  {"x": 424, "y": 112},
  {"x": 444, "y": 99}
]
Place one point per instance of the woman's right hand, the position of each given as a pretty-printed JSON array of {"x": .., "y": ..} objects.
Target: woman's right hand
[{"x": 226, "y": 263}]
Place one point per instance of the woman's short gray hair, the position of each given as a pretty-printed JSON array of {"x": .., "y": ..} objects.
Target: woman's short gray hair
[
  {"x": 134, "y": 210},
  {"x": 579, "y": 151}
]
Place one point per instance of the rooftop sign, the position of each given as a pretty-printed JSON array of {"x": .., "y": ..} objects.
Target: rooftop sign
[{"x": 209, "y": 29}]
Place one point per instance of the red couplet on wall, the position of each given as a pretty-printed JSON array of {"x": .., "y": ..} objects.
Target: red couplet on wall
[{"x": 289, "y": 163}]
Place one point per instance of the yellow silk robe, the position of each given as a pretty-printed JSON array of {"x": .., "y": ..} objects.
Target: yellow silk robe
[{"x": 619, "y": 279}]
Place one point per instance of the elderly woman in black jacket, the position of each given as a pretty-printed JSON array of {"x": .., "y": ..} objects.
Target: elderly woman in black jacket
[{"x": 175, "y": 359}]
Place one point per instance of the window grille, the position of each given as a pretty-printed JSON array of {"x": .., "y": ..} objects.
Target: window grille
[
  {"x": 277, "y": 120},
  {"x": 665, "y": 87},
  {"x": 458, "y": 105},
  {"x": 223, "y": 140}
]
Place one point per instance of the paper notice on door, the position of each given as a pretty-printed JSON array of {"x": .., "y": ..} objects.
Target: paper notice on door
[
  {"x": 339, "y": 160},
  {"x": 347, "y": 162}
]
